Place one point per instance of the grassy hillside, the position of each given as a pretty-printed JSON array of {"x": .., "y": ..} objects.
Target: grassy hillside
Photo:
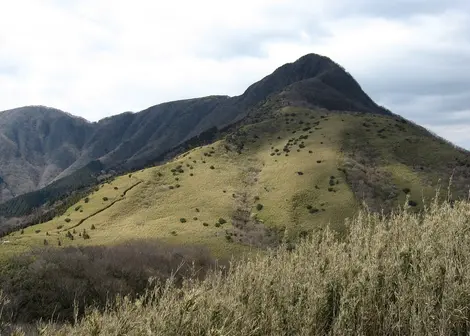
[
  {"x": 295, "y": 168},
  {"x": 406, "y": 275}
]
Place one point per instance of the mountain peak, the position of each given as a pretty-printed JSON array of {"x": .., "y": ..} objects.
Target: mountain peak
[
  {"x": 316, "y": 80},
  {"x": 37, "y": 112}
]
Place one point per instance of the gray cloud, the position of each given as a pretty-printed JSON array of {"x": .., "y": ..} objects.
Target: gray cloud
[
  {"x": 401, "y": 9},
  {"x": 412, "y": 56},
  {"x": 432, "y": 88}
]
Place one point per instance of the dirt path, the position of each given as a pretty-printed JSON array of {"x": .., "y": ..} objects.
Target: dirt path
[
  {"x": 246, "y": 228},
  {"x": 81, "y": 221}
]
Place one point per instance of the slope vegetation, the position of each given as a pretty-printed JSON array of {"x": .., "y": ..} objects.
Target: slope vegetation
[
  {"x": 287, "y": 168},
  {"x": 406, "y": 275}
]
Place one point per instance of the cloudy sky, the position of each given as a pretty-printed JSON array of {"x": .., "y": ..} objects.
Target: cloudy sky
[{"x": 95, "y": 58}]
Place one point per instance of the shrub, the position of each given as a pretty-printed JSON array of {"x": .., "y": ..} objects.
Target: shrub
[
  {"x": 78, "y": 208},
  {"x": 87, "y": 199},
  {"x": 69, "y": 235},
  {"x": 171, "y": 187},
  {"x": 195, "y": 218},
  {"x": 92, "y": 227},
  {"x": 130, "y": 175},
  {"x": 197, "y": 209},
  {"x": 222, "y": 221},
  {"x": 61, "y": 226},
  {"x": 22, "y": 231},
  {"x": 173, "y": 233},
  {"x": 259, "y": 206},
  {"x": 300, "y": 173},
  {"x": 212, "y": 167},
  {"x": 406, "y": 190},
  {"x": 45, "y": 242},
  {"x": 67, "y": 220},
  {"x": 105, "y": 198},
  {"x": 412, "y": 203},
  {"x": 217, "y": 224},
  {"x": 56, "y": 282},
  {"x": 177, "y": 186},
  {"x": 183, "y": 220},
  {"x": 37, "y": 231},
  {"x": 116, "y": 188},
  {"x": 85, "y": 235},
  {"x": 205, "y": 224}
]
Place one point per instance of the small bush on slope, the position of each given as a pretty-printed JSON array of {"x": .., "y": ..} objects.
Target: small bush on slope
[{"x": 406, "y": 275}]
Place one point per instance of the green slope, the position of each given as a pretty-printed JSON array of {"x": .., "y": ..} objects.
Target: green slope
[{"x": 292, "y": 168}]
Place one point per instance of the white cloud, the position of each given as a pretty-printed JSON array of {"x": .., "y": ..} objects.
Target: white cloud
[{"x": 96, "y": 58}]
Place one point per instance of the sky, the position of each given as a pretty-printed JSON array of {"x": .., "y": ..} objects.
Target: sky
[{"x": 96, "y": 58}]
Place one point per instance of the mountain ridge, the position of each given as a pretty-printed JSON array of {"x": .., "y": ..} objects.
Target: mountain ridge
[{"x": 130, "y": 139}]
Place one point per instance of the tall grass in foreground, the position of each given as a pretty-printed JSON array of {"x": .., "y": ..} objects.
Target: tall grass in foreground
[{"x": 405, "y": 275}]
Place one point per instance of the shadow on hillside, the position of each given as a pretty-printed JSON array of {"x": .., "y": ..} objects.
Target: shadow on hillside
[{"x": 54, "y": 281}]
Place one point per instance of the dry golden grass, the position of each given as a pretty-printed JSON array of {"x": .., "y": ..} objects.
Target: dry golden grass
[
  {"x": 403, "y": 275},
  {"x": 152, "y": 210}
]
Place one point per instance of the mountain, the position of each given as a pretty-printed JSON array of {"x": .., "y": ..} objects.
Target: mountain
[
  {"x": 183, "y": 186},
  {"x": 39, "y": 145},
  {"x": 36, "y": 145},
  {"x": 302, "y": 148}
]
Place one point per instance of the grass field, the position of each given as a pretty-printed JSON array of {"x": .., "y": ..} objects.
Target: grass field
[
  {"x": 404, "y": 275},
  {"x": 299, "y": 170}
]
